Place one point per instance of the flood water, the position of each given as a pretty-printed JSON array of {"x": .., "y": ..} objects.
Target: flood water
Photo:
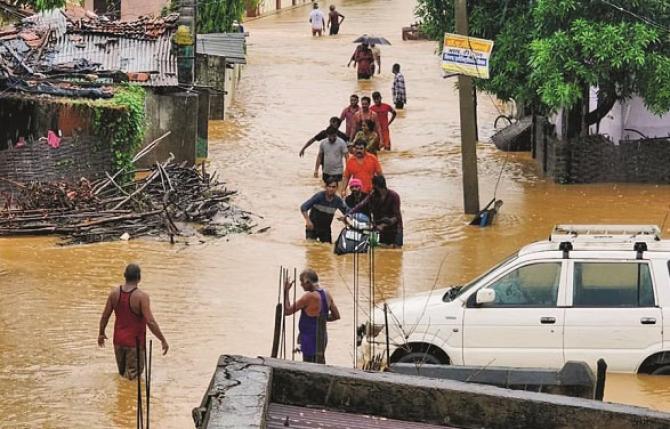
[{"x": 219, "y": 297}]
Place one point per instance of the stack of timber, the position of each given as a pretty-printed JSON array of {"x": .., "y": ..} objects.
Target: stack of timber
[{"x": 170, "y": 196}]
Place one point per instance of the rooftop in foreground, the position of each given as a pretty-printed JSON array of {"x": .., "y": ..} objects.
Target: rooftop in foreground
[{"x": 264, "y": 392}]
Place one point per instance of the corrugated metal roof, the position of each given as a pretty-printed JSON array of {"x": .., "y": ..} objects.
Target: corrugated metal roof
[
  {"x": 53, "y": 20},
  {"x": 281, "y": 416},
  {"x": 227, "y": 45},
  {"x": 118, "y": 53}
]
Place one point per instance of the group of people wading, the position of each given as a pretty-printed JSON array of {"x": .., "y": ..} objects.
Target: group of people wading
[
  {"x": 354, "y": 183},
  {"x": 352, "y": 175},
  {"x": 349, "y": 161}
]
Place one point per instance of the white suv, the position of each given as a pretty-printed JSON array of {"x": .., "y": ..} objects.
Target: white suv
[{"x": 589, "y": 292}]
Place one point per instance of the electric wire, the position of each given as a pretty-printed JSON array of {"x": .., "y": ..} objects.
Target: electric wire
[{"x": 644, "y": 19}]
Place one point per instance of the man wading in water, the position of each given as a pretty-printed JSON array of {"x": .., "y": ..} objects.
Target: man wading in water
[
  {"x": 133, "y": 313},
  {"x": 316, "y": 307}
]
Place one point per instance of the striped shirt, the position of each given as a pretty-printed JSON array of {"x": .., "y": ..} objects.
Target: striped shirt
[
  {"x": 321, "y": 210},
  {"x": 399, "y": 93}
]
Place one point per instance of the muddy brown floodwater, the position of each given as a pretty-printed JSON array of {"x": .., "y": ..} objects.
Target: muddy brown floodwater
[{"x": 219, "y": 297}]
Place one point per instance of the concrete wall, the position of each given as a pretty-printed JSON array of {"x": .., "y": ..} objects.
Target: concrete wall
[
  {"x": 575, "y": 378},
  {"x": 176, "y": 112},
  {"x": 202, "y": 143},
  {"x": 269, "y": 6},
  {"x": 212, "y": 73},
  {"x": 401, "y": 397},
  {"x": 133, "y": 9},
  {"x": 631, "y": 114}
]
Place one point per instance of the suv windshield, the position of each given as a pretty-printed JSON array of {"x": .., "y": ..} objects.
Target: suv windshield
[{"x": 457, "y": 291}]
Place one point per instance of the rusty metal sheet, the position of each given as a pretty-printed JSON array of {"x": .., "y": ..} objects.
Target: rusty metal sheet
[
  {"x": 281, "y": 416},
  {"x": 113, "y": 53}
]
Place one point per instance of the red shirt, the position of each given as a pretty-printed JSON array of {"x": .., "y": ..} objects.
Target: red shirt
[
  {"x": 364, "y": 170},
  {"x": 382, "y": 110},
  {"x": 128, "y": 326}
]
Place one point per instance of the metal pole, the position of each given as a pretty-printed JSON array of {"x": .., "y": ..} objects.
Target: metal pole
[
  {"x": 388, "y": 345},
  {"x": 468, "y": 124},
  {"x": 355, "y": 257},
  {"x": 283, "y": 322},
  {"x": 295, "y": 287},
  {"x": 140, "y": 419},
  {"x": 279, "y": 313},
  {"x": 147, "y": 369},
  {"x": 371, "y": 256}
]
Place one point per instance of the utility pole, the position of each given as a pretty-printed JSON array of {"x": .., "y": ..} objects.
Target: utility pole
[{"x": 468, "y": 123}]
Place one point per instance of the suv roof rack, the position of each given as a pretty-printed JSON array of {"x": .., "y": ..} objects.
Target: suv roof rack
[{"x": 605, "y": 233}]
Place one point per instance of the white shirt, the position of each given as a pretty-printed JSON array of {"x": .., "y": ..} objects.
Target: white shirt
[{"x": 317, "y": 18}]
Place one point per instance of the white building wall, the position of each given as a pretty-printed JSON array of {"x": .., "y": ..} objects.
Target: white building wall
[
  {"x": 268, "y": 6},
  {"x": 631, "y": 114}
]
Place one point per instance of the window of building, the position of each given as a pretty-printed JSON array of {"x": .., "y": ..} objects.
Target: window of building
[{"x": 612, "y": 285}]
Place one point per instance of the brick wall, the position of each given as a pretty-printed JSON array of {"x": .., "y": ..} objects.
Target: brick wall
[{"x": 75, "y": 158}]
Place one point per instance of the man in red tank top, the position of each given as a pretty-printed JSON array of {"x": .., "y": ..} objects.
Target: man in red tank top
[{"x": 132, "y": 313}]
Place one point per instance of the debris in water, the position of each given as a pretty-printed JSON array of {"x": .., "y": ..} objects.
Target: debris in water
[{"x": 164, "y": 202}]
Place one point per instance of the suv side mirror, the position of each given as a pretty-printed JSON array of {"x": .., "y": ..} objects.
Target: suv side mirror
[{"x": 485, "y": 296}]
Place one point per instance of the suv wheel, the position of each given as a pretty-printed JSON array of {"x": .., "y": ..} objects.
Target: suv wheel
[
  {"x": 662, "y": 370},
  {"x": 426, "y": 358}
]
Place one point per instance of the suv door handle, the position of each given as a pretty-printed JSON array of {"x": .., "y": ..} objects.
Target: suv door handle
[
  {"x": 648, "y": 320},
  {"x": 547, "y": 320}
]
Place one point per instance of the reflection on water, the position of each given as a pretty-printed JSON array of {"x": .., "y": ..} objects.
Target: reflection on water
[
  {"x": 642, "y": 390},
  {"x": 219, "y": 297}
]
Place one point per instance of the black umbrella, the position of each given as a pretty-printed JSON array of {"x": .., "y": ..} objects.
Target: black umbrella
[{"x": 372, "y": 40}]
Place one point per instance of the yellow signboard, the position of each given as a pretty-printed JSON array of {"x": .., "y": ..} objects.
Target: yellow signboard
[{"x": 466, "y": 55}]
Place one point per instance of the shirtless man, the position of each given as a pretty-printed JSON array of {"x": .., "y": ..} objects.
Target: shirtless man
[
  {"x": 315, "y": 305},
  {"x": 132, "y": 312}
]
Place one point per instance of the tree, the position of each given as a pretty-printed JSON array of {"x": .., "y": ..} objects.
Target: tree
[
  {"x": 217, "y": 16},
  {"x": 548, "y": 53},
  {"x": 39, "y": 5}
]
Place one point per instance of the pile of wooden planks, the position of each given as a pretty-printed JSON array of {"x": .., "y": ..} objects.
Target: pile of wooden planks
[{"x": 169, "y": 195}]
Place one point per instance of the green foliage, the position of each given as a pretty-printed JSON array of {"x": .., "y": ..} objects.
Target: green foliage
[
  {"x": 121, "y": 121},
  {"x": 40, "y": 5},
  {"x": 548, "y": 51},
  {"x": 217, "y": 16}
]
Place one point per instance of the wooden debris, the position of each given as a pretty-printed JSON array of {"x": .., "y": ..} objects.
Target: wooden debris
[{"x": 103, "y": 210}]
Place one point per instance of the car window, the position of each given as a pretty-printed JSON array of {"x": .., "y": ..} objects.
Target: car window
[
  {"x": 534, "y": 285},
  {"x": 621, "y": 284},
  {"x": 462, "y": 290}
]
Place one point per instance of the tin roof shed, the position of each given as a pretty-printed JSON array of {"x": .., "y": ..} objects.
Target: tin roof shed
[{"x": 230, "y": 46}]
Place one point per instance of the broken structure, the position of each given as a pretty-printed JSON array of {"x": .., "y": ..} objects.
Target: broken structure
[{"x": 63, "y": 74}]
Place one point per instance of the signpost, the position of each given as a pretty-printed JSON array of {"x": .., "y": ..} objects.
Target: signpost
[
  {"x": 460, "y": 54},
  {"x": 466, "y": 55}
]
